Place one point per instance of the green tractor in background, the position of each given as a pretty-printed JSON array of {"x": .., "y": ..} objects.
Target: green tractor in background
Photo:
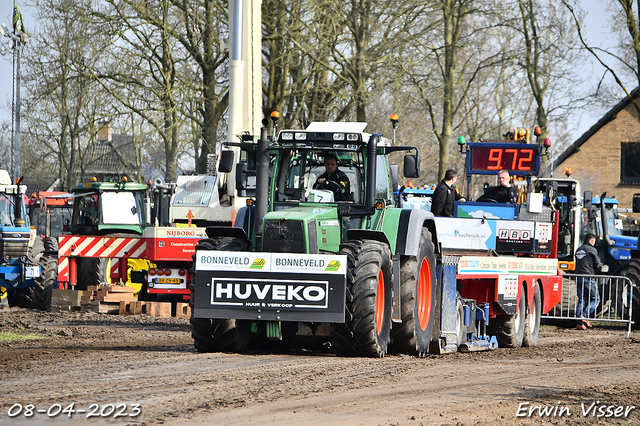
[
  {"x": 114, "y": 208},
  {"x": 297, "y": 264}
]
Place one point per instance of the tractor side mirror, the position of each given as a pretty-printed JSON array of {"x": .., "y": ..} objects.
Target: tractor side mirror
[
  {"x": 227, "y": 158},
  {"x": 411, "y": 166},
  {"x": 588, "y": 195},
  {"x": 592, "y": 212}
]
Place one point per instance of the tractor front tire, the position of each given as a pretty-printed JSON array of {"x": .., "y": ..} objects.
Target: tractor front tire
[
  {"x": 21, "y": 298},
  {"x": 461, "y": 329},
  {"x": 367, "y": 327},
  {"x": 45, "y": 282},
  {"x": 509, "y": 329},
  {"x": 26, "y": 297},
  {"x": 418, "y": 300},
  {"x": 92, "y": 271},
  {"x": 218, "y": 335}
]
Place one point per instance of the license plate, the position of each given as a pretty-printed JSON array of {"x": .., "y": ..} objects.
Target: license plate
[
  {"x": 32, "y": 271},
  {"x": 168, "y": 280}
]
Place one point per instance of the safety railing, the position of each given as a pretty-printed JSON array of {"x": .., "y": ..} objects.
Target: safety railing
[{"x": 596, "y": 298}]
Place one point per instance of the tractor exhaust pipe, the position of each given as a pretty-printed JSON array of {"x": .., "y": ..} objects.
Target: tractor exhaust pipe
[
  {"x": 262, "y": 184},
  {"x": 603, "y": 217},
  {"x": 372, "y": 161}
]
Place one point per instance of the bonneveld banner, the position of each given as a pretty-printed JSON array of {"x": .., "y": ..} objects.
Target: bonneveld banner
[{"x": 270, "y": 286}]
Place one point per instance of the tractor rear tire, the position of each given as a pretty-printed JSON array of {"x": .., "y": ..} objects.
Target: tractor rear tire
[
  {"x": 532, "y": 320},
  {"x": 45, "y": 282},
  {"x": 632, "y": 271},
  {"x": 509, "y": 329},
  {"x": 92, "y": 271},
  {"x": 367, "y": 327},
  {"x": 50, "y": 243},
  {"x": 418, "y": 300},
  {"x": 218, "y": 335}
]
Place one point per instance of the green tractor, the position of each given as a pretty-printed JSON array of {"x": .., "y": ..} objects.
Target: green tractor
[
  {"x": 335, "y": 263},
  {"x": 114, "y": 208}
]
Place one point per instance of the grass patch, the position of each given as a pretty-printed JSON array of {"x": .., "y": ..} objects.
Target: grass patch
[{"x": 8, "y": 337}]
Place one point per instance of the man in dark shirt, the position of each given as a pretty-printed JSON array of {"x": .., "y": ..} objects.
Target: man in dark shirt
[
  {"x": 504, "y": 192},
  {"x": 334, "y": 180},
  {"x": 445, "y": 195},
  {"x": 587, "y": 263}
]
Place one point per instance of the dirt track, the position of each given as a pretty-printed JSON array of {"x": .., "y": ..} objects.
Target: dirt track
[{"x": 102, "y": 359}]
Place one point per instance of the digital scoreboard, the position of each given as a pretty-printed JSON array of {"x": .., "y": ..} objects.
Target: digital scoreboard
[{"x": 516, "y": 158}]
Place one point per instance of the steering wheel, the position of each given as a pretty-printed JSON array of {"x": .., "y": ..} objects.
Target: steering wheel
[
  {"x": 486, "y": 200},
  {"x": 336, "y": 185}
]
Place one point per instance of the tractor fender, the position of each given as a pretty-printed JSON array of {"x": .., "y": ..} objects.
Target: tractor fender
[
  {"x": 368, "y": 234},
  {"x": 410, "y": 224},
  {"x": 227, "y": 231},
  {"x": 245, "y": 218}
]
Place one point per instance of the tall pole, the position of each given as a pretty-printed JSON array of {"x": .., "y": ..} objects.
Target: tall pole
[
  {"x": 17, "y": 40},
  {"x": 18, "y": 103}
]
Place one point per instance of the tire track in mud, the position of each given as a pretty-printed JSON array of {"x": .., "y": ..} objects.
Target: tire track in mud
[{"x": 153, "y": 363}]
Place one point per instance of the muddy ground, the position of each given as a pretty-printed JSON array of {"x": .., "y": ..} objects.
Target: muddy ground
[{"x": 119, "y": 365}]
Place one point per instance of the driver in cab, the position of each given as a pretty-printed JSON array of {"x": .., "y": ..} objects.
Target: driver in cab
[
  {"x": 334, "y": 180},
  {"x": 504, "y": 192}
]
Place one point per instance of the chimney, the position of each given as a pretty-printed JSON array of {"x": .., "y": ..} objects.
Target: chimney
[{"x": 104, "y": 131}]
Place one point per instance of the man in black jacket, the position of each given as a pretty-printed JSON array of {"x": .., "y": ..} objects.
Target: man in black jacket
[
  {"x": 334, "y": 179},
  {"x": 504, "y": 192},
  {"x": 445, "y": 194},
  {"x": 587, "y": 263}
]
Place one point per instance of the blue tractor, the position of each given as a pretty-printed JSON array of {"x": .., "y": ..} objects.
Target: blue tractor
[{"x": 27, "y": 270}]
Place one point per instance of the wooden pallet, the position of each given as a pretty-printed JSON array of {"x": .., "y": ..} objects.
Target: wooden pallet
[
  {"x": 117, "y": 300},
  {"x": 106, "y": 299}
]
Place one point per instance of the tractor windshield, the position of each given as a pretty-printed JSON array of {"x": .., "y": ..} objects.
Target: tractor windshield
[
  {"x": 109, "y": 208},
  {"x": 7, "y": 210},
  {"x": 57, "y": 215},
  {"x": 300, "y": 169},
  {"x": 121, "y": 208},
  {"x": 614, "y": 222}
]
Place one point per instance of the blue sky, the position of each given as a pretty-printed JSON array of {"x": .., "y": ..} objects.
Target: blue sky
[{"x": 597, "y": 34}]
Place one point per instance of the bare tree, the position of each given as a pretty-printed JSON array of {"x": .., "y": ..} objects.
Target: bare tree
[
  {"x": 625, "y": 60},
  {"x": 451, "y": 47},
  {"x": 204, "y": 27},
  {"x": 145, "y": 79},
  {"x": 547, "y": 53},
  {"x": 61, "y": 104}
]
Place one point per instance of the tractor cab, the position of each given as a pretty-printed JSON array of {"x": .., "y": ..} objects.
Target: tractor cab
[
  {"x": 101, "y": 208},
  {"x": 310, "y": 214},
  {"x": 49, "y": 212}
]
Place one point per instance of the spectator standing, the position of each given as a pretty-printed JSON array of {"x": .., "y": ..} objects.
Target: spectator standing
[
  {"x": 445, "y": 195},
  {"x": 587, "y": 263}
]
